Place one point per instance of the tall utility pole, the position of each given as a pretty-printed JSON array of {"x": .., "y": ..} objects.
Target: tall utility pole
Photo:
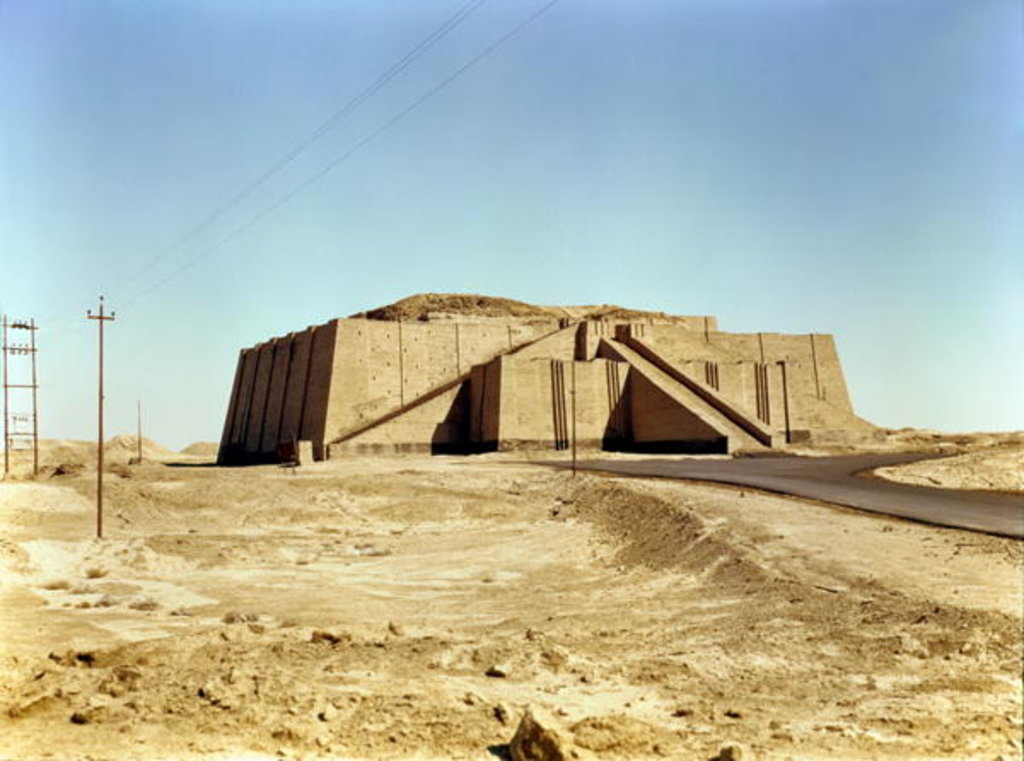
[
  {"x": 16, "y": 432},
  {"x": 139, "y": 404},
  {"x": 102, "y": 318}
]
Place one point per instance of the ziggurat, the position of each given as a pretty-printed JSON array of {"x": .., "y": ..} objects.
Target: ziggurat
[{"x": 461, "y": 374}]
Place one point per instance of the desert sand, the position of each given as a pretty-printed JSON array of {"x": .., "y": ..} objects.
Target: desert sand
[
  {"x": 415, "y": 607},
  {"x": 997, "y": 468}
]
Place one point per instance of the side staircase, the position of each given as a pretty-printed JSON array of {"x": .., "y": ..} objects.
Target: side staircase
[
  {"x": 432, "y": 394},
  {"x": 740, "y": 429}
]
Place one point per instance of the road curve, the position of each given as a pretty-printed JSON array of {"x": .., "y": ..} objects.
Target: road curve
[{"x": 834, "y": 479}]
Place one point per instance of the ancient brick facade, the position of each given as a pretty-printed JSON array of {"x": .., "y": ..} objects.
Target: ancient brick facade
[{"x": 467, "y": 384}]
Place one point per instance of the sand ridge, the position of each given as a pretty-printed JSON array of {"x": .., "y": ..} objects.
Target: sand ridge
[{"x": 994, "y": 468}]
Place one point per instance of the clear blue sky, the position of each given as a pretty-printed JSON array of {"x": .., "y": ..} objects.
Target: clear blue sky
[{"x": 844, "y": 166}]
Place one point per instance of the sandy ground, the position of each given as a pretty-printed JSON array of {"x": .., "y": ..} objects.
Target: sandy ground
[
  {"x": 414, "y": 607},
  {"x": 997, "y": 468}
]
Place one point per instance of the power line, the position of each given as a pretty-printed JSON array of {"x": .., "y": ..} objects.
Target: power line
[
  {"x": 339, "y": 160},
  {"x": 326, "y": 126}
]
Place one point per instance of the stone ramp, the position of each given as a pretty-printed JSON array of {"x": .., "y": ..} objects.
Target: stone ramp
[
  {"x": 434, "y": 394},
  {"x": 738, "y": 430},
  {"x": 732, "y": 412}
]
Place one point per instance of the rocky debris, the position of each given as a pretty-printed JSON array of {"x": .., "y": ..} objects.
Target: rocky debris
[
  {"x": 732, "y": 752},
  {"x": 497, "y": 672},
  {"x": 536, "y": 741},
  {"x": 67, "y": 469},
  {"x": 216, "y": 694},
  {"x": 620, "y": 736},
  {"x": 328, "y": 638},
  {"x": 369, "y": 550},
  {"x": 234, "y": 617},
  {"x": 146, "y": 604},
  {"x": 32, "y": 703},
  {"x": 501, "y": 713},
  {"x": 120, "y": 681},
  {"x": 73, "y": 658},
  {"x": 327, "y": 713}
]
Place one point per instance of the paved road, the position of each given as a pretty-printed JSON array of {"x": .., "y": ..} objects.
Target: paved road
[{"x": 832, "y": 479}]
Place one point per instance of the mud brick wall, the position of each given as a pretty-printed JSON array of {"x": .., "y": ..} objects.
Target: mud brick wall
[
  {"x": 383, "y": 366},
  {"x": 491, "y": 383},
  {"x": 280, "y": 392},
  {"x": 519, "y": 401},
  {"x": 749, "y": 371}
]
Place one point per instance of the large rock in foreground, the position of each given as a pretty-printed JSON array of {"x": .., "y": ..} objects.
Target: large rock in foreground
[{"x": 533, "y": 741}]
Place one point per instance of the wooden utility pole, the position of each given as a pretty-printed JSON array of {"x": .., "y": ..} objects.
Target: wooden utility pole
[
  {"x": 139, "y": 403},
  {"x": 102, "y": 317}
]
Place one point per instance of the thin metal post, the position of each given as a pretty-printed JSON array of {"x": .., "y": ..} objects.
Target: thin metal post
[
  {"x": 101, "y": 317},
  {"x": 574, "y": 418},
  {"x": 35, "y": 404},
  {"x": 785, "y": 400},
  {"x": 401, "y": 367}
]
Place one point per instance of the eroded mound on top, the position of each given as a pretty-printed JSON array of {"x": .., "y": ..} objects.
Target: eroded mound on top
[
  {"x": 429, "y": 306},
  {"x": 439, "y": 307}
]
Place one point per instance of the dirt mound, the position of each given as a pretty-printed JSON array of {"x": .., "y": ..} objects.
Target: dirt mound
[
  {"x": 64, "y": 457},
  {"x": 652, "y": 532},
  {"x": 431, "y": 307},
  {"x": 923, "y": 440},
  {"x": 202, "y": 449},
  {"x": 997, "y": 469},
  {"x": 124, "y": 446},
  {"x": 612, "y": 313}
]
